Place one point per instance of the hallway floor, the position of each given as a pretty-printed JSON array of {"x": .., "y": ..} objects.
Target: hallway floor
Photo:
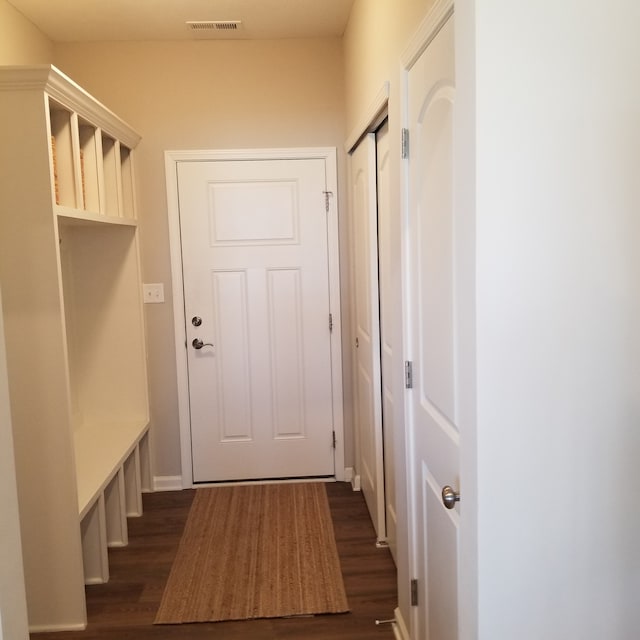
[{"x": 124, "y": 608}]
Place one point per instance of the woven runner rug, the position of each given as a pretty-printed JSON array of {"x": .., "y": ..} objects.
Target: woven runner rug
[{"x": 258, "y": 551}]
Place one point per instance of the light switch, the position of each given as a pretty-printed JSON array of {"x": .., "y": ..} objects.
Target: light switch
[{"x": 153, "y": 293}]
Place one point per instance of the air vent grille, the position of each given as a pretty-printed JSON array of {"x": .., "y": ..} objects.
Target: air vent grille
[{"x": 214, "y": 25}]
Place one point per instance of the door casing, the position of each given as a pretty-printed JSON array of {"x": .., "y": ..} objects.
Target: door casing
[{"x": 172, "y": 158}]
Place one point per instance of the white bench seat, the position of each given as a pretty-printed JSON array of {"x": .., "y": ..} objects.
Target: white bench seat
[{"x": 112, "y": 471}]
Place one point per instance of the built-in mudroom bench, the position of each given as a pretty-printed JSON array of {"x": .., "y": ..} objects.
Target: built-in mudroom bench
[{"x": 72, "y": 293}]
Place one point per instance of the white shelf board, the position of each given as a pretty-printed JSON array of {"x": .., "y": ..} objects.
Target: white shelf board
[
  {"x": 68, "y": 215},
  {"x": 100, "y": 450}
]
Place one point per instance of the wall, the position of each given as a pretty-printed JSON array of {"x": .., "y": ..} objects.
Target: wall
[
  {"x": 208, "y": 95},
  {"x": 20, "y": 41},
  {"x": 377, "y": 33},
  {"x": 13, "y": 606},
  {"x": 555, "y": 139}
]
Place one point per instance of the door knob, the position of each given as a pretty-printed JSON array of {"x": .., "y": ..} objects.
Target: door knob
[
  {"x": 449, "y": 497},
  {"x": 196, "y": 343}
]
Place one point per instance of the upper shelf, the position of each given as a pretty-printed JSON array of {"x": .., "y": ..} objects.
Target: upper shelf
[
  {"x": 65, "y": 91},
  {"x": 90, "y": 148}
]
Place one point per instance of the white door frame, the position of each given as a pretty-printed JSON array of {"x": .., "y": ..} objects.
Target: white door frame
[{"x": 172, "y": 158}]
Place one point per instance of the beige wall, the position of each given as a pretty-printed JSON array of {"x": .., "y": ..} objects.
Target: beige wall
[
  {"x": 377, "y": 33},
  {"x": 206, "y": 95},
  {"x": 13, "y": 605},
  {"x": 20, "y": 41}
]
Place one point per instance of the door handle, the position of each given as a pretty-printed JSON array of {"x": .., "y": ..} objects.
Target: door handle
[
  {"x": 449, "y": 497},
  {"x": 196, "y": 343}
]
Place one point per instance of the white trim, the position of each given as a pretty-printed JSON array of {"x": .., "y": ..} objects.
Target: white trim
[
  {"x": 175, "y": 247},
  {"x": 399, "y": 626},
  {"x": 167, "y": 483},
  {"x": 441, "y": 11},
  {"x": 328, "y": 154},
  {"x": 371, "y": 119},
  {"x": 55, "y": 628},
  {"x": 348, "y": 474},
  {"x": 356, "y": 485}
]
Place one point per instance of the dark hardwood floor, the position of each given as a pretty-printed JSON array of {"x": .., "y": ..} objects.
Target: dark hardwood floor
[{"x": 124, "y": 608}]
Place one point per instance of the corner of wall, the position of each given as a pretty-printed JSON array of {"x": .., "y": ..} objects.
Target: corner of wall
[{"x": 21, "y": 42}]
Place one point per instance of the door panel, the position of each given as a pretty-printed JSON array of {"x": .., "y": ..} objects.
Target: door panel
[
  {"x": 441, "y": 562},
  {"x": 231, "y": 337},
  {"x": 433, "y": 141},
  {"x": 433, "y": 334},
  {"x": 255, "y": 269}
]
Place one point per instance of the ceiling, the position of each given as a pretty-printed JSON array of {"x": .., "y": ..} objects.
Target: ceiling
[{"x": 109, "y": 20}]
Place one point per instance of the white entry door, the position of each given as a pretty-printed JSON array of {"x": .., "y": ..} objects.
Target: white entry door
[
  {"x": 256, "y": 290},
  {"x": 367, "y": 331},
  {"x": 432, "y": 402}
]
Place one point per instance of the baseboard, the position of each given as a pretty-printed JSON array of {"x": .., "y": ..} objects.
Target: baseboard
[
  {"x": 399, "y": 627},
  {"x": 167, "y": 483},
  {"x": 55, "y": 628},
  {"x": 348, "y": 474},
  {"x": 355, "y": 482}
]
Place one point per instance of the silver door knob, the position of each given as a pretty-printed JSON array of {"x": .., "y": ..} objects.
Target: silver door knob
[
  {"x": 196, "y": 343},
  {"x": 449, "y": 497}
]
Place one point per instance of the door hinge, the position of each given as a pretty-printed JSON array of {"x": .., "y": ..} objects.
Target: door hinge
[
  {"x": 327, "y": 195},
  {"x": 333, "y": 439},
  {"x": 330, "y": 322},
  {"x": 405, "y": 144},
  {"x": 414, "y": 592},
  {"x": 408, "y": 374}
]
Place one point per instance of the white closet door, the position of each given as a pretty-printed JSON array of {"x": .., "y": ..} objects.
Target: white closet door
[{"x": 367, "y": 331}]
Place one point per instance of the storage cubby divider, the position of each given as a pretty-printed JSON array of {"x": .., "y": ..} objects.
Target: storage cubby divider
[
  {"x": 90, "y": 168},
  {"x": 133, "y": 485},
  {"x": 114, "y": 497},
  {"x": 62, "y": 155},
  {"x": 128, "y": 192},
  {"x": 94, "y": 544}
]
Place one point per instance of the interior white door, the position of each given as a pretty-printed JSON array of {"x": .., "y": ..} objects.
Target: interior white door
[
  {"x": 432, "y": 402},
  {"x": 256, "y": 289},
  {"x": 367, "y": 330},
  {"x": 387, "y": 313}
]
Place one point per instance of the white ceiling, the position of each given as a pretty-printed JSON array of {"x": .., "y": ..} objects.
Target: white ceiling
[{"x": 108, "y": 20}]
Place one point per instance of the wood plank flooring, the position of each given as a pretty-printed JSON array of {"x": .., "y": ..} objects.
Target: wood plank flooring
[{"x": 124, "y": 608}]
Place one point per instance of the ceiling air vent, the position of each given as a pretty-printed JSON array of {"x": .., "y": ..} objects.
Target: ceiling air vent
[{"x": 199, "y": 26}]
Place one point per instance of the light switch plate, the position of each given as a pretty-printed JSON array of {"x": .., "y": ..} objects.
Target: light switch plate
[{"x": 153, "y": 293}]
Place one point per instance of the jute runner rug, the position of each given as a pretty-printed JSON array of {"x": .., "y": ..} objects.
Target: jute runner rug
[{"x": 259, "y": 551}]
